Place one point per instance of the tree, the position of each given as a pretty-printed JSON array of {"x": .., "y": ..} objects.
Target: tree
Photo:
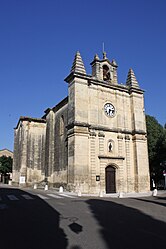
[
  {"x": 5, "y": 164},
  {"x": 156, "y": 136},
  {"x": 154, "y": 132},
  {"x": 160, "y": 157}
]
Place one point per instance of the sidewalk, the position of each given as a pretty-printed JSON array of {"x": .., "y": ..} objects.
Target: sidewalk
[{"x": 102, "y": 195}]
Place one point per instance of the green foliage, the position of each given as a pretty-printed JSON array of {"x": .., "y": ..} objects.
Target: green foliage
[
  {"x": 154, "y": 131},
  {"x": 161, "y": 147},
  {"x": 156, "y": 135},
  {"x": 6, "y": 164}
]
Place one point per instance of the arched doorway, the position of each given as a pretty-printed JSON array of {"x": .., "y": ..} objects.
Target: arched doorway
[{"x": 110, "y": 175}]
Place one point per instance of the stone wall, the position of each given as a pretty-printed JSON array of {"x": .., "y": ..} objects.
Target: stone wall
[
  {"x": 57, "y": 144},
  {"x": 91, "y": 131},
  {"x": 29, "y": 151}
]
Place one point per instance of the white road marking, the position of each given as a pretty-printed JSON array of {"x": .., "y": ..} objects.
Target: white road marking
[
  {"x": 55, "y": 196},
  {"x": 42, "y": 197},
  {"x": 69, "y": 196},
  {"x": 12, "y": 197}
]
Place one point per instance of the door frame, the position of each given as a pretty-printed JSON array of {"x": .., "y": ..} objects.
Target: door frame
[{"x": 113, "y": 169}]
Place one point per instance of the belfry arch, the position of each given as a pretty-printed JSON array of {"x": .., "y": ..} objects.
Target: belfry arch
[{"x": 106, "y": 73}]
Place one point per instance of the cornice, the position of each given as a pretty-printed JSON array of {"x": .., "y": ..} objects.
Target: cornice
[
  {"x": 106, "y": 129},
  {"x": 72, "y": 75},
  {"x": 111, "y": 157},
  {"x": 94, "y": 81}
]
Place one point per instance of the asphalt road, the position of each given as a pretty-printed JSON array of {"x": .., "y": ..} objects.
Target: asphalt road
[{"x": 38, "y": 219}]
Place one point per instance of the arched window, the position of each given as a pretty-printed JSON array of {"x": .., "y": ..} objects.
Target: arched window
[
  {"x": 62, "y": 125},
  {"x": 106, "y": 73}
]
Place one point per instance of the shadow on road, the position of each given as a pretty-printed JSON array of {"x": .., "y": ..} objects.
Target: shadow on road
[
  {"x": 29, "y": 224},
  {"x": 155, "y": 200},
  {"x": 127, "y": 228}
]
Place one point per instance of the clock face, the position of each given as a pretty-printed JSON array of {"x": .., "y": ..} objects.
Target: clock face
[{"x": 109, "y": 110}]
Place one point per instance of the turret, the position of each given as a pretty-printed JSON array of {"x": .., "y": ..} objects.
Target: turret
[
  {"x": 78, "y": 65},
  {"x": 131, "y": 79}
]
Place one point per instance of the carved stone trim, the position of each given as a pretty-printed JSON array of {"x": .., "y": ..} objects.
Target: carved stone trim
[
  {"x": 111, "y": 157},
  {"x": 119, "y": 136},
  {"x": 101, "y": 134},
  {"x": 92, "y": 133},
  {"x": 127, "y": 137}
]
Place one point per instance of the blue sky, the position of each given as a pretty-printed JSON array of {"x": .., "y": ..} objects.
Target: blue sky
[{"x": 39, "y": 38}]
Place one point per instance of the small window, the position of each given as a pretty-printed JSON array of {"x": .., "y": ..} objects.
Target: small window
[{"x": 61, "y": 125}]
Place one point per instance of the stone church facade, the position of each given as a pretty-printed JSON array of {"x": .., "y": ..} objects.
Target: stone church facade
[{"x": 93, "y": 141}]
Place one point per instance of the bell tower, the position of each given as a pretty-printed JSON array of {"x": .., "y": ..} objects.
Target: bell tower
[
  {"x": 104, "y": 70},
  {"x": 107, "y": 144}
]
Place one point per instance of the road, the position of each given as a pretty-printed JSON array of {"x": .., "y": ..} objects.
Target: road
[{"x": 38, "y": 219}]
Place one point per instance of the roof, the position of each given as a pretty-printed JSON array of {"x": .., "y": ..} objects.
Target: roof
[
  {"x": 30, "y": 119},
  {"x": 6, "y": 152},
  {"x": 6, "y": 149},
  {"x": 56, "y": 107}
]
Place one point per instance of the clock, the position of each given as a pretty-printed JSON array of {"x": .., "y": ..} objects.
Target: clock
[{"x": 109, "y": 110}]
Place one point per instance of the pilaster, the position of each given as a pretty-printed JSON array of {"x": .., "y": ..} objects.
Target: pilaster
[
  {"x": 128, "y": 164},
  {"x": 50, "y": 135},
  {"x": 23, "y": 169},
  {"x": 120, "y": 164},
  {"x": 93, "y": 158},
  {"x": 101, "y": 136}
]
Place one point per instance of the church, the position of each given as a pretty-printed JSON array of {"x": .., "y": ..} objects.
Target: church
[{"x": 93, "y": 141}]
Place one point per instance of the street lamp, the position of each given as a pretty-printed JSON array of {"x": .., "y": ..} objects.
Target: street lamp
[{"x": 164, "y": 174}]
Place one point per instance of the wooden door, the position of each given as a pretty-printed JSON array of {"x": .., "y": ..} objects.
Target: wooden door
[{"x": 110, "y": 179}]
